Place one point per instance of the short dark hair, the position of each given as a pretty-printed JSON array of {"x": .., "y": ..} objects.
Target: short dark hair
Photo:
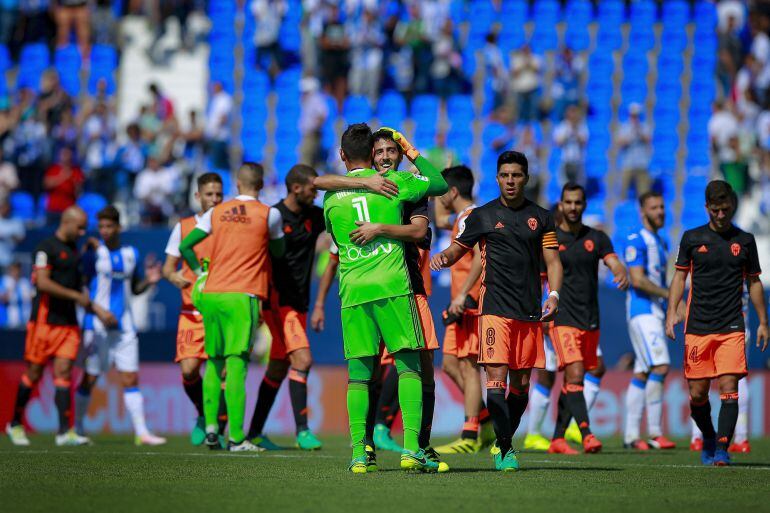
[
  {"x": 357, "y": 142},
  {"x": 388, "y": 136},
  {"x": 572, "y": 186},
  {"x": 300, "y": 174},
  {"x": 513, "y": 157},
  {"x": 719, "y": 191},
  {"x": 251, "y": 174},
  {"x": 460, "y": 177},
  {"x": 109, "y": 213},
  {"x": 647, "y": 195},
  {"x": 207, "y": 178}
]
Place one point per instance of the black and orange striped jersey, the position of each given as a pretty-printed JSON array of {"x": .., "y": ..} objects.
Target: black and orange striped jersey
[
  {"x": 580, "y": 256},
  {"x": 511, "y": 241},
  {"x": 718, "y": 264}
]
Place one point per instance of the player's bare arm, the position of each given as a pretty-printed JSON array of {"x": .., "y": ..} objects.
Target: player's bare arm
[
  {"x": 641, "y": 282},
  {"x": 757, "y": 296},
  {"x": 46, "y": 285},
  {"x": 415, "y": 231},
  {"x": 448, "y": 257},
  {"x": 457, "y": 305},
  {"x": 318, "y": 317},
  {"x": 555, "y": 274},
  {"x": 618, "y": 270},
  {"x": 442, "y": 216},
  {"x": 375, "y": 183},
  {"x": 675, "y": 293},
  {"x": 172, "y": 274}
]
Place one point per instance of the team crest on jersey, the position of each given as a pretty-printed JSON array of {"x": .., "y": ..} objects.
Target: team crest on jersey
[
  {"x": 490, "y": 352},
  {"x": 63, "y": 255},
  {"x": 532, "y": 223},
  {"x": 630, "y": 254},
  {"x": 308, "y": 225},
  {"x": 735, "y": 248},
  {"x": 287, "y": 229},
  {"x": 589, "y": 245},
  {"x": 562, "y": 247}
]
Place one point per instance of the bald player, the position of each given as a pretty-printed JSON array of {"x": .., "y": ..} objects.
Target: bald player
[{"x": 53, "y": 334}]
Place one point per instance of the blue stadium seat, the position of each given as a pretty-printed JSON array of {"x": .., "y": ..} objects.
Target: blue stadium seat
[
  {"x": 356, "y": 109},
  {"x": 391, "y": 109},
  {"x": 610, "y": 16},
  {"x": 642, "y": 16},
  {"x": 92, "y": 203},
  {"x": 460, "y": 109},
  {"x": 492, "y": 131},
  {"x": 22, "y": 206},
  {"x": 255, "y": 83},
  {"x": 579, "y": 14},
  {"x": 104, "y": 62},
  {"x": 545, "y": 14},
  {"x": 33, "y": 61},
  {"x": 515, "y": 13},
  {"x": 424, "y": 109},
  {"x": 67, "y": 64}
]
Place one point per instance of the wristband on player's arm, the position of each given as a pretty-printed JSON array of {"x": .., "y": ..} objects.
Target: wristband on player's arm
[
  {"x": 437, "y": 186},
  {"x": 554, "y": 293}
]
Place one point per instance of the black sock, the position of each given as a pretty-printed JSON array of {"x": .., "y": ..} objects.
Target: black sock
[
  {"x": 22, "y": 398},
  {"x": 428, "y": 405},
  {"x": 576, "y": 402},
  {"x": 194, "y": 390},
  {"x": 63, "y": 401},
  {"x": 375, "y": 386},
  {"x": 222, "y": 415},
  {"x": 728, "y": 416},
  {"x": 517, "y": 405},
  {"x": 563, "y": 416},
  {"x": 498, "y": 410},
  {"x": 387, "y": 407},
  {"x": 265, "y": 399},
  {"x": 298, "y": 394},
  {"x": 701, "y": 414}
]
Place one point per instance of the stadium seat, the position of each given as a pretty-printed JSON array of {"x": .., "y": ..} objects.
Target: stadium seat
[
  {"x": 34, "y": 60},
  {"x": 104, "y": 62},
  {"x": 578, "y": 15},
  {"x": 356, "y": 109},
  {"x": 92, "y": 203},
  {"x": 515, "y": 14},
  {"x": 642, "y": 16},
  {"x": 545, "y": 14},
  {"x": 23, "y": 205},
  {"x": 610, "y": 16},
  {"x": 67, "y": 64},
  {"x": 391, "y": 110}
]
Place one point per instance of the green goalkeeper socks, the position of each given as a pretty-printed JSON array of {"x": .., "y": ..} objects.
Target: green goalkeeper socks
[
  {"x": 235, "y": 395},
  {"x": 410, "y": 396},
  {"x": 212, "y": 386},
  {"x": 359, "y": 377}
]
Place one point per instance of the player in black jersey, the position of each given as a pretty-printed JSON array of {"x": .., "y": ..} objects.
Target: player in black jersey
[
  {"x": 286, "y": 312},
  {"x": 515, "y": 236},
  {"x": 389, "y": 150},
  {"x": 575, "y": 329},
  {"x": 719, "y": 257}
]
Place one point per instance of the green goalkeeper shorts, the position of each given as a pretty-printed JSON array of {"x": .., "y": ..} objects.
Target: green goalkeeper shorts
[
  {"x": 230, "y": 321},
  {"x": 393, "y": 320}
]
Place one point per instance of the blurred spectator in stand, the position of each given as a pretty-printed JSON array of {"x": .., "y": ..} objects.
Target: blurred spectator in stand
[
  {"x": 154, "y": 188},
  {"x": 496, "y": 72},
  {"x": 194, "y": 141},
  {"x": 29, "y": 145},
  {"x": 745, "y": 82},
  {"x": 565, "y": 88},
  {"x": 525, "y": 83},
  {"x": 367, "y": 40},
  {"x": 729, "y": 54},
  {"x": 335, "y": 56},
  {"x": 727, "y": 9},
  {"x": 11, "y": 233},
  {"x": 571, "y": 136},
  {"x": 313, "y": 114},
  {"x": 722, "y": 127},
  {"x": 103, "y": 24},
  {"x": 9, "y": 179},
  {"x": 73, "y": 15},
  {"x": 129, "y": 161},
  {"x": 162, "y": 106},
  {"x": 528, "y": 144},
  {"x": 736, "y": 170},
  {"x": 66, "y": 133},
  {"x": 149, "y": 124},
  {"x": 9, "y": 15},
  {"x": 634, "y": 139},
  {"x": 63, "y": 181},
  {"x": 446, "y": 69},
  {"x": 269, "y": 15},
  {"x": 439, "y": 155},
  {"x": 98, "y": 150},
  {"x": 16, "y": 295},
  {"x": 35, "y": 24},
  {"x": 217, "y": 130},
  {"x": 53, "y": 100},
  {"x": 412, "y": 34}
]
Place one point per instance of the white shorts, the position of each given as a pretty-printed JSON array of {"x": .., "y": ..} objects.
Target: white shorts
[
  {"x": 102, "y": 349},
  {"x": 649, "y": 340},
  {"x": 551, "y": 362}
]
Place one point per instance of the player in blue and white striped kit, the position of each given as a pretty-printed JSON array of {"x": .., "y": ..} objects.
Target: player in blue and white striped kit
[
  {"x": 113, "y": 274},
  {"x": 646, "y": 255}
]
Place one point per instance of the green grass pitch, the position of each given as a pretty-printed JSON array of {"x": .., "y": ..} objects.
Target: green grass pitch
[{"x": 114, "y": 476}]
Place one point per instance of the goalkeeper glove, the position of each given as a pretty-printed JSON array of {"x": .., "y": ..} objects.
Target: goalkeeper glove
[{"x": 409, "y": 150}]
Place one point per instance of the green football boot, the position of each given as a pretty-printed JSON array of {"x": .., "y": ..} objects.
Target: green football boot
[
  {"x": 383, "y": 440},
  {"x": 264, "y": 442},
  {"x": 417, "y": 462},
  {"x": 198, "y": 433},
  {"x": 307, "y": 441}
]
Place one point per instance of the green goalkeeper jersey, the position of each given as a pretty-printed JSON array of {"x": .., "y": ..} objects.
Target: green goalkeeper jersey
[{"x": 377, "y": 270}]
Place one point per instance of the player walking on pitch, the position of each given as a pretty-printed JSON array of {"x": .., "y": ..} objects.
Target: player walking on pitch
[
  {"x": 377, "y": 297},
  {"x": 719, "y": 257},
  {"x": 113, "y": 272},
  {"x": 575, "y": 329},
  {"x": 515, "y": 236},
  {"x": 242, "y": 229},
  {"x": 190, "y": 350},
  {"x": 646, "y": 253}
]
